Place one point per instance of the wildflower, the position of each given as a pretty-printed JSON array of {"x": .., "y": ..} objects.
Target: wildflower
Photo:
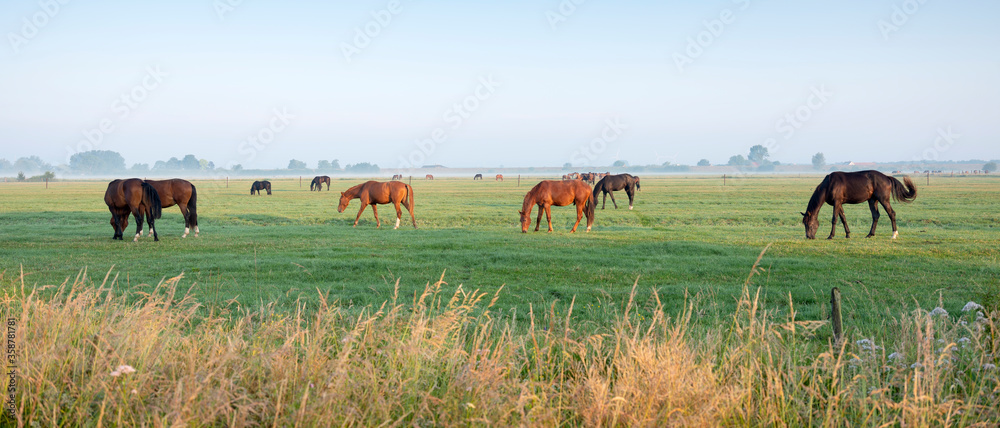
[
  {"x": 855, "y": 362},
  {"x": 895, "y": 356},
  {"x": 470, "y": 405},
  {"x": 134, "y": 391},
  {"x": 989, "y": 366},
  {"x": 938, "y": 311},
  {"x": 122, "y": 369},
  {"x": 916, "y": 365},
  {"x": 963, "y": 341},
  {"x": 971, "y": 306}
]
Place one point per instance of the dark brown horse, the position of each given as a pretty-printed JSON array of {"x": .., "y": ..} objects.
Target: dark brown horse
[
  {"x": 840, "y": 188},
  {"x": 558, "y": 193},
  {"x": 397, "y": 176},
  {"x": 477, "y": 177},
  {"x": 612, "y": 183},
  {"x": 588, "y": 177},
  {"x": 136, "y": 197},
  {"x": 257, "y": 186},
  {"x": 183, "y": 194},
  {"x": 317, "y": 183},
  {"x": 375, "y": 192}
]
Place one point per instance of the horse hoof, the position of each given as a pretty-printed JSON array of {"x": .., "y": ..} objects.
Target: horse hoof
[
  {"x": 895, "y": 234},
  {"x": 630, "y": 208}
]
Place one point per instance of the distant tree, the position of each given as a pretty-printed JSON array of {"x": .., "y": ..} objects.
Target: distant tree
[
  {"x": 20, "y": 176},
  {"x": 296, "y": 164},
  {"x": 990, "y": 166},
  {"x": 335, "y": 164},
  {"x": 737, "y": 160},
  {"x": 567, "y": 166},
  {"x": 48, "y": 176},
  {"x": 5, "y": 165},
  {"x": 619, "y": 164},
  {"x": 203, "y": 164},
  {"x": 704, "y": 162},
  {"x": 819, "y": 161},
  {"x": 140, "y": 167},
  {"x": 32, "y": 163},
  {"x": 96, "y": 162},
  {"x": 362, "y": 168},
  {"x": 758, "y": 154},
  {"x": 190, "y": 163},
  {"x": 211, "y": 165},
  {"x": 237, "y": 168},
  {"x": 323, "y": 165},
  {"x": 172, "y": 164}
]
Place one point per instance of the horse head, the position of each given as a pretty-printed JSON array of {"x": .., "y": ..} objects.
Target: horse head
[
  {"x": 811, "y": 222},
  {"x": 344, "y": 200},
  {"x": 525, "y": 221}
]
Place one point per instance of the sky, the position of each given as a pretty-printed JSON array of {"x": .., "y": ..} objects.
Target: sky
[{"x": 487, "y": 84}]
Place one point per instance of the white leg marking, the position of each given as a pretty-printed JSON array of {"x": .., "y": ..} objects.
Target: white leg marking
[
  {"x": 136, "y": 239},
  {"x": 895, "y": 234},
  {"x": 630, "y": 207},
  {"x": 588, "y": 228},
  {"x": 397, "y": 223},
  {"x": 196, "y": 231},
  {"x": 186, "y": 230}
]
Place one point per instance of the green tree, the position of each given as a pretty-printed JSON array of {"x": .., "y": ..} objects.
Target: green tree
[
  {"x": 567, "y": 166},
  {"x": 190, "y": 163},
  {"x": 819, "y": 161},
  {"x": 990, "y": 166},
  {"x": 737, "y": 160},
  {"x": 296, "y": 164},
  {"x": 362, "y": 168},
  {"x": 32, "y": 163},
  {"x": 335, "y": 164},
  {"x": 619, "y": 164},
  {"x": 140, "y": 167},
  {"x": 5, "y": 165},
  {"x": 758, "y": 154},
  {"x": 323, "y": 165},
  {"x": 97, "y": 162},
  {"x": 20, "y": 176},
  {"x": 704, "y": 162}
]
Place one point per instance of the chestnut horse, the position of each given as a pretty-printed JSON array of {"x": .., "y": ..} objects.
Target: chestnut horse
[
  {"x": 840, "y": 188},
  {"x": 317, "y": 183},
  {"x": 499, "y": 177},
  {"x": 428, "y": 177},
  {"x": 257, "y": 186},
  {"x": 397, "y": 176},
  {"x": 558, "y": 193},
  {"x": 612, "y": 183},
  {"x": 135, "y": 197},
  {"x": 183, "y": 194},
  {"x": 375, "y": 192}
]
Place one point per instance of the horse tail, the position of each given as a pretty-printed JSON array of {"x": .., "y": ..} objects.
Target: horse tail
[
  {"x": 903, "y": 192},
  {"x": 409, "y": 191},
  {"x": 597, "y": 189},
  {"x": 152, "y": 200},
  {"x": 591, "y": 205},
  {"x": 193, "y": 206}
]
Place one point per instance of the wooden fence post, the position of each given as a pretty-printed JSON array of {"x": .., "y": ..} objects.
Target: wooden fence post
[
  {"x": 519, "y": 180},
  {"x": 835, "y": 315},
  {"x": 723, "y": 180},
  {"x": 227, "y": 181}
]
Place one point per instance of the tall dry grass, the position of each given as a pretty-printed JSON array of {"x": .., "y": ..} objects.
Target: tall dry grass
[{"x": 445, "y": 358}]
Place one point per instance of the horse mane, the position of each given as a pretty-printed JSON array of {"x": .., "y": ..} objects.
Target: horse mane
[
  {"x": 818, "y": 197},
  {"x": 529, "y": 198}
]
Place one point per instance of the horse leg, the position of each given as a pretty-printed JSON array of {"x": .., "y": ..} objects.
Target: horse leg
[
  {"x": 541, "y": 210},
  {"x": 406, "y": 204},
  {"x": 152, "y": 228},
  {"x": 187, "y": 219},
  {"x": 363, "y": 205},
  {"x": 833, "y": 230},
  {"x": 579, "y": 215},
  {"x": 631, "y": 195},
  {"x": 548, "y": 215},
  {"x": 138, "y": 225},
  {"x": 399, "y": 214},
  {"x": 375, "y": 213},
  {"x": 875, "y": 215},
  {"x": 892, "y": 216},
  {"x": 613, "y": 199},
  {"x": 604, "y": 203},
  {"x": 843, "y": 219}
]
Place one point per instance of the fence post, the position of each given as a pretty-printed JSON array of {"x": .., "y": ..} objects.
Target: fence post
[
  {"x": 835, "y": 315},
  {"x": 300, "y": 181},
  {"x": 519, "y": 180},
  {"x": 411, "y": 181},
  {"x": 46, "y": 182},
  {"x": 227, "y": 181}
]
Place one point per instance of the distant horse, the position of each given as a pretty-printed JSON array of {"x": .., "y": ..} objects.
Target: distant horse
[
  {"x": 558, "y": 193},
  {"x": 840, "y": 188},
  {"x": 612, "y": 183},
  {"x": 317, "y": 183},
  {"x": 477, "y": 177},
  {"x": 375, "y": 192},
  {"x": 499, "y": 177},
  {"x": 135, "y": 197},
  {"x": 397, "y": 176},
  {"x": 588, "y": 177},
  {"x": 183, "y": 194},
  {"x": 428, "y": 177},
  {"x": 257, "y": 186}
]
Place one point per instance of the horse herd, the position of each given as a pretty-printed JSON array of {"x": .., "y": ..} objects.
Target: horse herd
[{"x": 147, "y": 198}]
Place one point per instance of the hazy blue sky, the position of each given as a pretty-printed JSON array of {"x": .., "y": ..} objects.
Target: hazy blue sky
[{"x": 536, "y": 82}]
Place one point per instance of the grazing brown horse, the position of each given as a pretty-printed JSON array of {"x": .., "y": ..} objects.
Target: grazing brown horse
[
  {"x": 588, "y": 177},
  {"x": 428, "y": 177},
  {"x": 135, "y": 197},
  {"x": 558, "y": 193},
  {"x": 397, "y": 177},
  {"x": 840, "y": 188},
  {"x": 499, "y": 177},
  {"x": 317, "y": 183},
  {"x": 375, "y": 192},
  {"x": 612, "y": 183},
  {"x": 477, "y": 177},
  {"x": 257, "y": 186},
  {"x": 183, "y": 194}
]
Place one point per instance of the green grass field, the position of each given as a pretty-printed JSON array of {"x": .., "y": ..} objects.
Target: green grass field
[{"x": 687, "y": 236}]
